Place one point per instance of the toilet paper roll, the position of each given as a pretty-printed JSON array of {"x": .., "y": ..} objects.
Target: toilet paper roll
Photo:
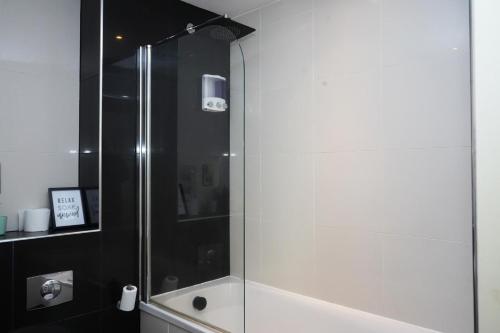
[
  {"x": 127, "y": 302},
  {"x": 170, "y": 283},
  {"x": 36, "y": 219}
]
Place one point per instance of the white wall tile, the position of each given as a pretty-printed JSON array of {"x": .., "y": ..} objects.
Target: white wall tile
[
  {"x": 253, "y": 187},
  {"x": 346, "y": 111},
  {"x": 39, "y": 112},
  {"x": 285, "y": 10},
  {"x": 286, "y": 124},
  {"x": 428, "y": 193},
  {"x": 286, "y": 85},
  {"x": 231, "y": 7},
  {"x": 251, "y": 50},
  {"x": 237, "y": 184},
  {"x": 426, "y": 105},
  {"x": 253, "y": 249},
  {"x": 429, "y": 283},
  {"x": 39, "y": 81},
  {"x": 291, "y": 37},
  {"x": 287, "y": 189},
  {"x": 26, "y": 178},
  {"x": 349, "y": 268},
  {"x": 424, "y": 31},
  {"x": 32, "y": 39},
  {"x": 236, "y": 163},
  {"x": 364, "y": 139},
  {"x": 348, "y": 187},
  {"x": 288, "y": 253},
  {"x": 237, "y": 246},
  {"x": 347, "y": 36}
]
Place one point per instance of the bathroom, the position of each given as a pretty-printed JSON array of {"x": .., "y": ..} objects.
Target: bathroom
[{"x": 252, "y": 166}]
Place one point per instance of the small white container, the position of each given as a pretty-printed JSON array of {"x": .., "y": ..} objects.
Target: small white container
[
  {"x": 20, "y": 222},
  {"x": 36, "y": 219}
]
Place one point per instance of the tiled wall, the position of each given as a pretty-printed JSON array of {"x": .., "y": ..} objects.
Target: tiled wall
[
  {"x": 39, "y": 84},
  {"x": 98, "y": 275},
  {"x": 487, "y": 84},
  {"x": 358, "y": 155}
]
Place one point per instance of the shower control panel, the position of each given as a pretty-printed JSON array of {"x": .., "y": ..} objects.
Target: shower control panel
[{"x": 47, "y": 290}]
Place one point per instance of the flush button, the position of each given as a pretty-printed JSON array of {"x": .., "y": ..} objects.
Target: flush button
[{"x": 48, "y": 290}]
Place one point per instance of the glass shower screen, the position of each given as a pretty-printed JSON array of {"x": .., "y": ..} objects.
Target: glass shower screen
[{"x": 192, "y": 169}]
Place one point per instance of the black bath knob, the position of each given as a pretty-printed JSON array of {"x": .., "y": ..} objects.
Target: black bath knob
[{"x": 199, "y": 303}]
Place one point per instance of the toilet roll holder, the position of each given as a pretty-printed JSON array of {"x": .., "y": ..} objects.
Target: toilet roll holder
[{"x": 129, "y": 288}]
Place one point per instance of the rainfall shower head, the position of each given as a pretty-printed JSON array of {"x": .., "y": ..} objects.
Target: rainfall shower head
[
  {"x": 225, "y": 29},
  {"x": 218, "y": 28},
  {"x": 226, "y": 33}
]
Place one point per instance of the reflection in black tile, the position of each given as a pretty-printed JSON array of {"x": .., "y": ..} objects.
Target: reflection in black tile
[
  {"x": 119, "y": 201},
  {"x": 189, "y": 164}
]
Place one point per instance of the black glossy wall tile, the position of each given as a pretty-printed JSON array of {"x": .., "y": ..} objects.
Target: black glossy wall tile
[
  {"x": 104, "y": 262},
  {"x": 113, "y": 320},
  {"x": 189, "y": 164},
  {"x": 119, "y": 211},
  {"x": 6, "y": 308},
  {"x": 88, "y": 161},
  {"x": 90, "y": 57},
  {"x": 79, "y": 253},
  {"x": 89, "y": 44},
  {"x": 143, "y": 22},
  {"x": 86, "y": 323}
]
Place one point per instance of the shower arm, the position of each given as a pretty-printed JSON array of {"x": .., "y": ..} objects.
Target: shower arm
[{"x": 191, "y": 27}]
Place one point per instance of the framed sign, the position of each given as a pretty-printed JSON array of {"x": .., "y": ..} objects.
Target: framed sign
[
  {"x": 66, "y": 208},
  {"x": 92, "y": 204}
]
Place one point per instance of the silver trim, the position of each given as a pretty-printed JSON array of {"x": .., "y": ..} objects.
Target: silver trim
[
  {"x": 144, "y": 179},
  {"x": 101, "y": 57},
  {"x": 147, "y": 152},
  {"x": 140, "y": 162},
  {"x": 473, "y": 170},
  {"x": 24, "y": 238}
]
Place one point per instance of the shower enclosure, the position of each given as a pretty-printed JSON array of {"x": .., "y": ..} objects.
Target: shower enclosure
[
  {"x": 191, "y": 164},
  {"x": 322, "y": 182}
]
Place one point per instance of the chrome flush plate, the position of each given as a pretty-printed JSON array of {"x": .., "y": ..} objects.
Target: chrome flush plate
[{"x": 48, "y": 290}]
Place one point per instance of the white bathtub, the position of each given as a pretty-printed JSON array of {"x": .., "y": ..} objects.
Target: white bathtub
[{"x": 268, "y": 310}]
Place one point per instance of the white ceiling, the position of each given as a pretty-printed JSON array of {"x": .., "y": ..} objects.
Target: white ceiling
[{"x": 231, "y": 7}]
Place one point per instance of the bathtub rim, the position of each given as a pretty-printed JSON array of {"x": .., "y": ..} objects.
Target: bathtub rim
[{"x": 192, "y": 325}]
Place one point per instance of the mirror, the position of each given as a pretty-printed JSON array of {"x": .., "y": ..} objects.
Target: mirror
[{"x": 49, "y": 117}]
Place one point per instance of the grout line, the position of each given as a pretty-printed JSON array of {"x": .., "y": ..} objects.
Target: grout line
[
  {"x": 261, "y": 155},
  {"x": 259, "y": 8},
  {"x": 395, "y": 234},
  {"x": 314, "y": 72}
]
